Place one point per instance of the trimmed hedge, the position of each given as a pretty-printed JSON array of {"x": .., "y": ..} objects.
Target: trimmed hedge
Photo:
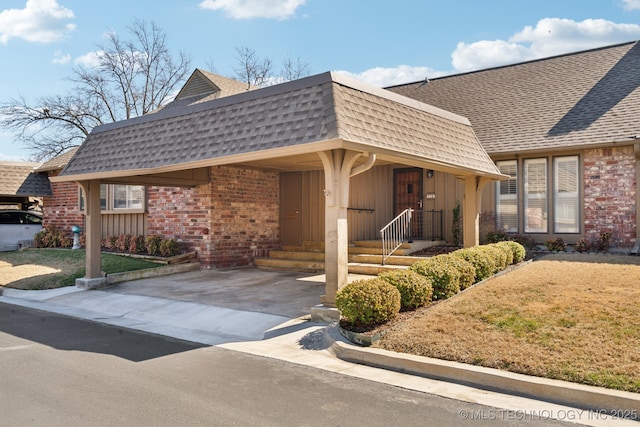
[
  {"x": 368, "y": 302},
  {"x": 480, "y": 261},
  {"x": 415, "y": 289},
  {"x": 519, "y": 251},
  {"x": 465, "y": 268},
  {"x": 444, "y": 276}
]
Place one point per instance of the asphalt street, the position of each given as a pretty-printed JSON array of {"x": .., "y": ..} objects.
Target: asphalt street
[{"x": 63, "y": 371}]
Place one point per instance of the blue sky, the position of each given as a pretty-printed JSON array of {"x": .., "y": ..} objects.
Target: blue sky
[{"x": 379, "y": 42}]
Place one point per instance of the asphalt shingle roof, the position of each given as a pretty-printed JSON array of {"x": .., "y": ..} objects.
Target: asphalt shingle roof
[
  {"x": 19, "y": 179},
  {"x": 58, "y": 162},
  {"x": 314, "y": 109},
  {"x": 574, "y": 100}
]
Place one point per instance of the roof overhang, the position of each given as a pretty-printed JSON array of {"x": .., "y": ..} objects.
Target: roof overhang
[{"x": 302, "y": 157}]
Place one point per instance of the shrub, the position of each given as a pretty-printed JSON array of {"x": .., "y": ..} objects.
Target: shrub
[
  {"x": 444, "y": 277},
  {"x": 527, "y": 241},
  {"x": 122, "y": 242},
  {"x": 556, "y": 244},
  {"x": 495, "y": 255},
  {"x": 368, "y": 302},
  {"x": 169, "y": 248},
  {"x": 51, "y": 237},
  {"x": 110, "y": 243},
  {"x": 583, "y": 245},
  {"x": 465, "y": 268},
  {"x": 136, "y": 245},
  {"x": 496, "y": 236},
  {"x": 519, "y": 251},
  {"x": 506, "y": 249},
  {"x": 153, "y": 245},
  {"x": 604, "y": 241},
  {"x": 480, "y": 260},
  {"x": 415, "y": 289}
]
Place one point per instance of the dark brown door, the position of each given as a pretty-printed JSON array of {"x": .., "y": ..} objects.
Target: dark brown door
[
  {"x": 408, "y": 194},
  {"x": 290, "y": 208}
]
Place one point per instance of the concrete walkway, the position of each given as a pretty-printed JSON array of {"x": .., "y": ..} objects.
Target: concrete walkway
[{"x": 266, "y": 313}]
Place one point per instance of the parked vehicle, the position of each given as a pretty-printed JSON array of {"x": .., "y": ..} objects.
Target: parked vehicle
[{"x": 17, "y": 228}]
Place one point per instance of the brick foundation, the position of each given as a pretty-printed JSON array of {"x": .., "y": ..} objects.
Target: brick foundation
[{"x": 610, "y": 194}]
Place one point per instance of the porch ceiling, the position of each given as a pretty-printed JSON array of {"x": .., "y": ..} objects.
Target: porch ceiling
[{"x": 281, "y": 128}]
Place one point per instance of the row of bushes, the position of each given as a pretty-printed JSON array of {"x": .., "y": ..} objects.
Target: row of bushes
[
  {"x": 152, "y": 245},
  {"x": 53, "y": 237},
  {"x": 601, "y": 243},
  {"x": 369, "y": 302}
]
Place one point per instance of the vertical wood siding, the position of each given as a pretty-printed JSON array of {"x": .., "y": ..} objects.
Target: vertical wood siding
[{"x": 134, "y": 224}]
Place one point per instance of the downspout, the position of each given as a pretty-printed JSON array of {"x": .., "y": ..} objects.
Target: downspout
[{"x": 365, "y": 166}]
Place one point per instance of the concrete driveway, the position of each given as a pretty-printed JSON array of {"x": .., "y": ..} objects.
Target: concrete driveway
[{"x": 280, "y": 293}]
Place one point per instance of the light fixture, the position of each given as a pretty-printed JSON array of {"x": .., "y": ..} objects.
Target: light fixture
[{"x": 429, "y": 173}]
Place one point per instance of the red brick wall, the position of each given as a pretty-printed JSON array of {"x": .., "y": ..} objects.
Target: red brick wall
[
  {"x": 610, "y": 194},
  {"x": 228, "y": 222},
  {"x": 61, "y": 210}
]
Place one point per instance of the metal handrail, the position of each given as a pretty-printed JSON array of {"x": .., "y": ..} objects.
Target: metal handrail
[{"x": 395, "y": 233}]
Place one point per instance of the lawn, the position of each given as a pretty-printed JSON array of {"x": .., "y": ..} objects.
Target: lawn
[
  {"x": 573, "y": 317},
  {"x": 55, "y": 268}
]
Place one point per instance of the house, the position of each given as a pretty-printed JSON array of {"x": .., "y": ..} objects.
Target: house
[
  {"x": 21, "y": 186},
  {"x": 324, "y": 158},
  {"x": 565, "y": 129}
]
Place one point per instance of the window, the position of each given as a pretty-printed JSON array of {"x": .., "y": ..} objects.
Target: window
[
  {"x": 535, "y": 196},
  {"x": 114, "y": 197},
  {"x": 507, "y": 197},
  {"x": 566, "y": 206}
]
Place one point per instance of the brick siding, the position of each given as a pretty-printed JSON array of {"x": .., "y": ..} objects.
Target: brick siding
[
  {"x": 227, "y": 222},
  {"x": 610, "y": 194},
  {"x": 61, "y": 210}
]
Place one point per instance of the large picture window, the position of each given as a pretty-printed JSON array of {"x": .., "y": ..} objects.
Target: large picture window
[
  {"x": 535, "y": 196},
  {"x": 117, "y": 197},
  {"x": 507, "y": 197},
  {"x": 566, "y": 195}
]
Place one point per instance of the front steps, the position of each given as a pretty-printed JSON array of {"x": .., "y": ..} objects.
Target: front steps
[{"x": 365, "y": 257}]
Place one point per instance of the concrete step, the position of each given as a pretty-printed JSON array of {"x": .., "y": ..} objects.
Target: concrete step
[
  {"x": 317, "y": 267},
  {"x": 289, "y": 264}
]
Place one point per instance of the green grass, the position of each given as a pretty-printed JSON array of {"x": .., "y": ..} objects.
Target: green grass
[{"x": 55, "y": 268}]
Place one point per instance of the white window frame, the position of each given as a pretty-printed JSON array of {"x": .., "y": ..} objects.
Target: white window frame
[
  {"x": 566, "y": 195},
  {"x": 507, "y": 197},
  {"x": 536, "y": 195},
  {"x": 108, "y": 199}
]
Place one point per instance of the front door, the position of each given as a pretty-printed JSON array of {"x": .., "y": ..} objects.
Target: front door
[
  {"x": 290, "y": 206},
  {"x": 408, "y": 194}
]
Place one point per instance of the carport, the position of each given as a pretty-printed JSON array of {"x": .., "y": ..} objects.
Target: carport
[{"x": 325, "y": 122}]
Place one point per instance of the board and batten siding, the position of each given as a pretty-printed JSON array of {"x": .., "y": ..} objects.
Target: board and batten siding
[
  {"x": 133, "y": 224},
  {"x": 371, "y": 202}
]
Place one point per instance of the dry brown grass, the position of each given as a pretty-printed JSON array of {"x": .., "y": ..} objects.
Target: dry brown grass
[{"x": 572, "y": 317}]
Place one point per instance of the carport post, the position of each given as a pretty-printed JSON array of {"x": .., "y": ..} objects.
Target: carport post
[
  {"x": 473, "y": 186},
  {"x": 337, "y": 169},
  {"x": 93, "y": 276}
]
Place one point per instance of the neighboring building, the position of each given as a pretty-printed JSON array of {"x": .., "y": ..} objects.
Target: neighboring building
[
  {"x": 21, "y": 187},
  {"x": 567, "y": 131}
]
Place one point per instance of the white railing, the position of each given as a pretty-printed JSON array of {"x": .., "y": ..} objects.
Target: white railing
[{"x": 395, "y": 233}]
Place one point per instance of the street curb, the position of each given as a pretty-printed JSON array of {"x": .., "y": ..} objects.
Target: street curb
[{"x": 612, "y": 402}]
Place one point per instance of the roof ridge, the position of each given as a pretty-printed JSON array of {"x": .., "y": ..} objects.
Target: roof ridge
[{"x": 515, "y": 64}]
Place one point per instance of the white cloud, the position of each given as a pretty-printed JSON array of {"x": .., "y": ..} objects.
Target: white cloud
[
  {"x": 89, "y": 60},
  {"x": 250, "y": 9},
  {"x": 631, "y": 4},
  {"x": 383, "y": 77},
  {"x": 551, "y": 36},
  {"x": 41, "y": 21},
  {"x": 60, "y": 58}
]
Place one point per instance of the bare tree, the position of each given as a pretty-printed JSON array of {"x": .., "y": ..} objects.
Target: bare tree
[
  {"x": 131, "y": 78},
  {"x": 294, "y": 69},
  {"x": 251, "y": 69}
]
